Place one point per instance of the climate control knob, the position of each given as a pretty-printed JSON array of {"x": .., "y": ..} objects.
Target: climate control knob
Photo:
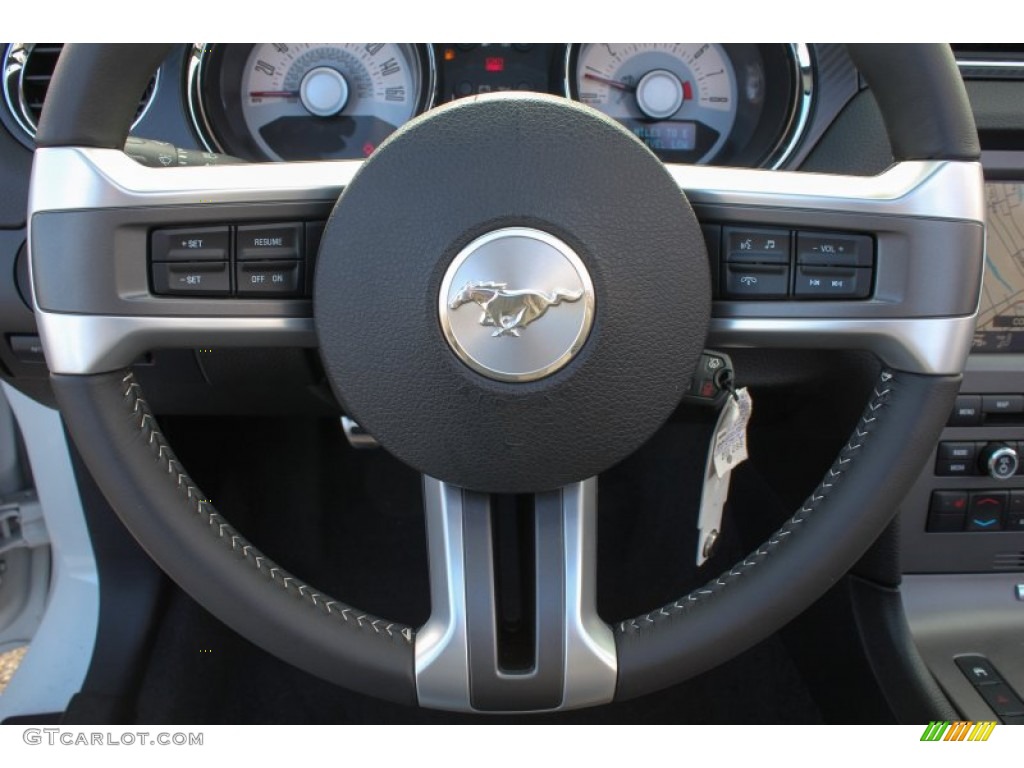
[{"x": 999, "y": 461}]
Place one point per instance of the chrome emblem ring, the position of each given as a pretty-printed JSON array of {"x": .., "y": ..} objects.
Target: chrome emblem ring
[{"x": 516, "y": 304}]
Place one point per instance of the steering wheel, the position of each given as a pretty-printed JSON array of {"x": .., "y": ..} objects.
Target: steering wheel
[{"x": 587, "y": 262}]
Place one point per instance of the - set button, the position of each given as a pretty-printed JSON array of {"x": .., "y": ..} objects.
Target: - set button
[{"x": 202, "y": 278}]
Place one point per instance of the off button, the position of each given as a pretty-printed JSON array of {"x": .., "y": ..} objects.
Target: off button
[{"x": 269, "y": 278}]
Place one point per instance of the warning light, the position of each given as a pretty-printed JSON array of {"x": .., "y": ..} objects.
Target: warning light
[
  {"x": 494, "y": 63},
  {"x": 449, "y": 54}
]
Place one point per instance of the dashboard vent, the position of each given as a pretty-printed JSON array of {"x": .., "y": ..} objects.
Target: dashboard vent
[
  {"x": 1008, "y": 561},
  {"x": 990, "y": 61},
  {"x": 28, "y": 70}
]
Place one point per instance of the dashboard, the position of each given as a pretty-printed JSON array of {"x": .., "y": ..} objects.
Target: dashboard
[{"x": 773, "y": 106}]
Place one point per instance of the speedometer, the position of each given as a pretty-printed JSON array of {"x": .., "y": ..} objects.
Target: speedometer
[
  {"x": 679, "y": 98},
  {"x": 308, "y": 101},
  {"x": 722, "y": 103}
]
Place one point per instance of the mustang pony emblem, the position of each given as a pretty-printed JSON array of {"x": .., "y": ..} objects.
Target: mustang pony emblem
[{"x": 509, "y": 311}]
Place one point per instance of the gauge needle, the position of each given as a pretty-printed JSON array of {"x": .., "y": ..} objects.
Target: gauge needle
[
  {"x": 273, "y": 94},
  {"x": 613, "y": 83}
]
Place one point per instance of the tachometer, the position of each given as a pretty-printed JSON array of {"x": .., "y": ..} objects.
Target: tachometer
[
  {"x": 309, "y": 101},
  {"x": 679, "y": 98}
]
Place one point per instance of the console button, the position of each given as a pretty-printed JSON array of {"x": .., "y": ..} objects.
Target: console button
[
  {"x": 1015, "y": 512},
  {"x": 190, "y": 244},
  {"x": 1002, "y": 403},
  {"x": 949, "y": 502},
  {"x": 203, "y": 278},
  {"x": 1002, "y": 699},
  {"x": 269, "y": 241},
  {"x": 978, "y": 670},
  {"x": 966, "y": 411},
  {"x": 958, "y": 451},
  {"x": 834, "y": 249},
  {"x": 956, "y": 458},
  {"x": 999, "y": 460},
  {"x": 947, "y": 511},
  {"x": 985, "y": 511},
  {"x": 757, "y": 281},
  {"x": 943, "y": 522},
  {"x": 954, "y": 468}
]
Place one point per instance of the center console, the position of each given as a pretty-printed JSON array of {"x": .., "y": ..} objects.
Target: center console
[{"x": 962, "y": 524}]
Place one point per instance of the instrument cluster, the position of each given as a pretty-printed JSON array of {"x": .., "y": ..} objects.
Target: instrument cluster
[{"x": 708, "y": 103}]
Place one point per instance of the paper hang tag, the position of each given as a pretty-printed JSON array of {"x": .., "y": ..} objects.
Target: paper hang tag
[
  {"x": 728, "y": 450},
  {"x": 730, "y": 445}
]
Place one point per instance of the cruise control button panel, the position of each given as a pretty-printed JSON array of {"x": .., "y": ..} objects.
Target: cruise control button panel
[{"x": 244, "y": 260}]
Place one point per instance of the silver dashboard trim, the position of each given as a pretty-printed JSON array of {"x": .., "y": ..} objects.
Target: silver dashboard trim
[{"x": 442, "y": 646}]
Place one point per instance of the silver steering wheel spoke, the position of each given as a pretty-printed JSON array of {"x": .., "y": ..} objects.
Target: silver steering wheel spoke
[
  {"x": 915, "y": 319},
  {"x": 460, "y": 663},
  {"x": 925, "y": 221},
  {"x": 95, "y": 304}
]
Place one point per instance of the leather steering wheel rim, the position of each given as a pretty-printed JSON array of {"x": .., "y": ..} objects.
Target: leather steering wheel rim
[{"x": 90, "y": 104}]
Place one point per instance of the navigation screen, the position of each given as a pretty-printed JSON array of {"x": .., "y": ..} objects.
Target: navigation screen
[{"x": 1001, "y": 315}]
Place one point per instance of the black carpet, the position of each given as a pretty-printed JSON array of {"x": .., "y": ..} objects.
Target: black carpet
[{"x": 351, "y": 523}]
